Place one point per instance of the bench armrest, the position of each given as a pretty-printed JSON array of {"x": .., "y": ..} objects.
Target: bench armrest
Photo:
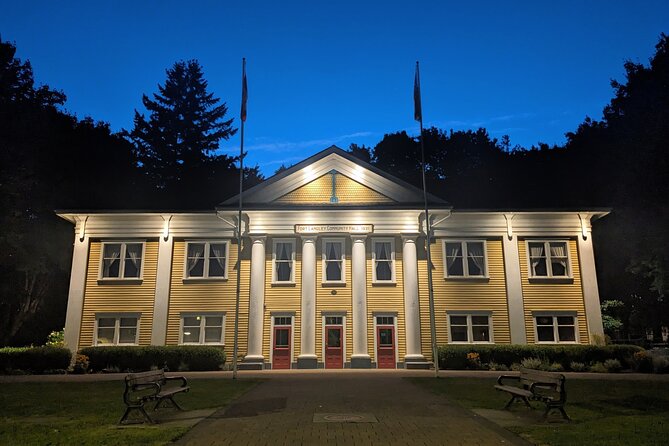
[
  {"x": 184, "y": 382},
  {"x": 544, "y": 385},
  {"x": 137, "y": 387},
  {"x": 503, "y": 377}
]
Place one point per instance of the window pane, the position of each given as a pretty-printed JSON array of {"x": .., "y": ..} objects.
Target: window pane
[
  {"x": 545, "y": 320},
  {"x": 111, "y": 268},
  {"x": 566, "y": 334},
  {"x": 481, "y": 333},
  {"x": 281, "y": 338},
  {"x": 196, "y": 267},
  {"x": 284, "y": 320},
  {"x": 454, "y": 259},
  {"x": 458, "y": 333},
  {"x": 217, "y": 250},
  {"x": 383, "y": 271},
  {"x": 283, "y": 271},
  {"x": 128, "y": 322},
  {"x": 127, "y": 335},
  {"x": 191, "y": 334},
  {"x": 192, "y": 321},
  {"x": 559, "y": 267},
  {"x": 539, "y": 267},
  {"x": 131, "y": 268},
  {"x": 284, "y": 251},
  {"x": 334, "y": 338},
  {"x": 382, "y": 250},
  {"x": 479, "y": 320},
  {"x": 212, "y": 334},
  {"x": 106, "y": 322},
  {"x": 475, "y": 265},
  {"x": 214, "y": 321},
  {"x": 106, "y": 335},
  {"x": 333, "y": 320},
  {"x": 565, "y": 320},
  {"x": 216, "y": 267},
  {"x": 333, "y": 270},
  {"x": 195, "y": 250},
  {"x": 385, "y": 337},
  {"x": 458, "y": 320},
  {"x": 385, "y": 320},
  {"x": 545, "y": 334}
]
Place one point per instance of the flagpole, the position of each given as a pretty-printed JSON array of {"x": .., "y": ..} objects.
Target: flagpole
[
  {"x": 239, "y": 221},
  {"x": 418, "y": 115}
]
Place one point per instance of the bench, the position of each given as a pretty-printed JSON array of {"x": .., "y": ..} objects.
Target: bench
[
  {"x": 536, "y": 385},
  {"x": 144, "y": 387}
]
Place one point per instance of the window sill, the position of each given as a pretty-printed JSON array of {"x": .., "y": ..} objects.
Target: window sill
[
  {"x": 283, "y": 284},
  {"x": 389, "y": 284},
  {"x": 111, "y": 281},
  {"x": 557, "y": 343},
  {"x": 475, "y": 279},
  {"x": 204, "y": 279},
  {"x": 333, "y": 284},
  {"x": 208, "y": 344},
  {"x": 472, "y": 343},
  {"x": 551, "y": 279},
  {"x": 116, "y": 345}
]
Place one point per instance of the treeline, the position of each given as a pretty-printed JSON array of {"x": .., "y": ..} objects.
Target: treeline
[{"x": 50, "y": 160}]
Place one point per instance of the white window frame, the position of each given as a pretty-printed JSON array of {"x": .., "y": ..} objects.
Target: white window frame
[
  {"x": 324, "y": 261},
  {"x": 556, "y": 337},
  {"x": 392, "y": 260},
  {"x": 549, "y": 266},
  {"x": 203, "y": 317},
  {"x": 292, "y": 269},
  {"x": 121, "y": 271},
  {"x": 465, "y": 262},
  {"x": 207, "y": 244},
  {"x": 470, "y": 329},
  {"x": 117, "y": 326}
]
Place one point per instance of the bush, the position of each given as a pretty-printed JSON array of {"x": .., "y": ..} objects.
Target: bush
[
  {"x": 556, "y": 367},
  {"x": 136, "y": 359},
  {"x": 454, "y": 357},
  {"x": 661, "y": 364},
  {"x": 598, "y": 367},
  {"x": 81, "y": 364},
  {"x": 578, "y": 367},
  {"x": 642, "y": 362},
  {"x": 612, "y": 366},
  {"x": 497, "y": 367},
  {"x": 531, "y": 363},
  {"x": 56, "y": 339},
  {"x": 34, "y": 359}
]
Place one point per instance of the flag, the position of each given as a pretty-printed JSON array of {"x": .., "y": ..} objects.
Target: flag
[
  {"x": 245, "y": 94},
  {"x": 417, "y": 110}
]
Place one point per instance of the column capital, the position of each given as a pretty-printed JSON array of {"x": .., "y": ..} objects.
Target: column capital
[
  {"x": 308, "y": 238},
  {"x": 358, "y": 238},
  {"x": 260, "y": 238},
  {"x": 409, "y": 236}
]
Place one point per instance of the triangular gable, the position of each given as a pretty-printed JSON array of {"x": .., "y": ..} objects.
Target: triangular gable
[{"x": 310, "y": 182}]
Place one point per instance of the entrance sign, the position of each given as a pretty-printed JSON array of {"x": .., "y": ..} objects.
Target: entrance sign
[{"x": 319, "y": 229}]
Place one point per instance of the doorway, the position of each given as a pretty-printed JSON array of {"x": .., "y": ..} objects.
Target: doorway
[
  {"x": 334, "y": 342},
  {"x": 385, "y": 342},
  {"x": 281, "y": 344}
]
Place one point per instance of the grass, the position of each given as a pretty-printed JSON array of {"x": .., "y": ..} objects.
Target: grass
[
  {"x": 86, "y": 413},
  {"x": 603, "y": 412}
]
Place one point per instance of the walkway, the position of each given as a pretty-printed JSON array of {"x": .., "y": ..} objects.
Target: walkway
[{"x": 281, "y": 411}]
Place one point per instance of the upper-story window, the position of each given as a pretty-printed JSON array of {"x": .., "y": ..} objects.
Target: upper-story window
[
  {"x": 548, "y": 258},
  {"x": 383, "y": 260},
  {"x": 283, "y": 260},
  {"x": 122, "y": 260},
  {"x": 466, "y": 258},
  {"x": 333, "y": 261},
  {"x": 206, "y": 260}
]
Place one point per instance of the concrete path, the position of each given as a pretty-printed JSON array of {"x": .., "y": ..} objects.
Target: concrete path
[{"x": 280, "y": 411}]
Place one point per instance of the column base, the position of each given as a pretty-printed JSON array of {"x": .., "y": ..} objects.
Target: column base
[
  {"x": 361, "y": 362},
  {"x": 252, "y": 362},
  {"x": 416, "y": 362},
  {"x": 307, "y": 362}
]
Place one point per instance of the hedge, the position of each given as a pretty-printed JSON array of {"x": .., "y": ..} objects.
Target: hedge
[
  {"x": 34, "y": 359},
  {"x": 135, "y": 359},
  {"x": 454, "y": 357}
]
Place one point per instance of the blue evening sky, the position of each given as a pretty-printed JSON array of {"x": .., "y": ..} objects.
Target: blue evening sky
[{"x": 322, "y": 73}]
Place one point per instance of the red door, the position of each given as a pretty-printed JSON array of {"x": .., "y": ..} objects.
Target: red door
[
  {"x": 281, "y": 349},
  {"x": 385, "y": 347},
  {"x": 334, "y": 356}
]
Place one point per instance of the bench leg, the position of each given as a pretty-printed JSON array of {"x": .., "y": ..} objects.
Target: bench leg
[
  {"x": 549, "y": 408},
  {"x": 517, "y": 397},
  {"x": 124, "y": 418},
  {"x": 171, "y": 401}
]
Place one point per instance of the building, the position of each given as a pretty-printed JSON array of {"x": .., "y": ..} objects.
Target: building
[{"x": 333, "y": 273}]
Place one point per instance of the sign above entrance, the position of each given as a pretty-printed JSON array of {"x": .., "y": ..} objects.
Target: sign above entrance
[{"x": 319, "y": 229}]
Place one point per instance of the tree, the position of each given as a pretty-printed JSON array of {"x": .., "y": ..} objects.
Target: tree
[
  {"x": 361, "y": 152},
  {"x": 176, "y": 146}
]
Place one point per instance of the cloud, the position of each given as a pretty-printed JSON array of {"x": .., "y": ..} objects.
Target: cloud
[
  {"x": 282, "y": 146},
  {"x": 483, "y": 122}
]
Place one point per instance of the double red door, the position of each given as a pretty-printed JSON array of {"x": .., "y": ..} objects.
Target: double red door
[
  {"x": 385, "y": 346},
  {"x": 281, "y": 348},
  {"x": 334, "y": 351}
]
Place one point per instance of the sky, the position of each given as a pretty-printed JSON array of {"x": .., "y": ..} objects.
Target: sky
[{"x": 323, "y": 73}]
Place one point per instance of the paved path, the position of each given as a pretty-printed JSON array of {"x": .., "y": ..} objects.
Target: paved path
[{"x": 281, "y": 411}]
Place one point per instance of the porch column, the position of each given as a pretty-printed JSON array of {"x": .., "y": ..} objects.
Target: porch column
[
  {"x": 162, "y": 295},
  {"x": 307, "y": 358},
  {"x": 414, "y": 358},
  {"x": 254, "y": 358},
  {"x": 360, "y": 358},
  {"x": 514, "y": 289},
  {"x": 593, "y": 312},
  {"x": 75, "y": 297}
]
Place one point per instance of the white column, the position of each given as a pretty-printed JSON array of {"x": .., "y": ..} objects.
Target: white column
[
  {"x": 360, "y": 357},
  {"x": 256, "y": 301},
  {"x": 411, "y": 306},
  {"x": 162, "y": 296},
  {"x": 308, "y": 358},
  {"x": 514, "y": 289},
  {"x": 593, "y": 311},
  {"x": 75, "y": 297}
]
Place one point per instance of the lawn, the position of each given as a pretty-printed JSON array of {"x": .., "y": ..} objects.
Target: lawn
[
  {"x": 87, "y": 413},
  {"x": 603, "y": 412}
]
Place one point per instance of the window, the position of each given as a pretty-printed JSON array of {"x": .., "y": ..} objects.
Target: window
[
  {"x": 283, "y": 320},
  {"x": 333, "y": 261},
  {"x": 283, "y": 269},
  {"x": 122, "y": 260},
  {"x": 548, "y": 259},
  {"x": 202, "y": 329},
  {"x": 555, "y": 328},
  {"x": 385, "y": 320},
  {"x": 116, "y": 329},
  {"x": 383, "y": 260},
  {"x": 206, "y": 260},
  {"x": 334, "y": 320},
  {"x": 470, "y": 328},
  {"x": 465, "y": 258}
]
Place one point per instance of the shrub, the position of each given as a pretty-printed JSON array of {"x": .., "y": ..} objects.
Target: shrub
[
  {"x": 81, "y": 363},
  {"x": 556, "y": 367},
  {"x": 642, "y": 362},
  {"x": 612, "y": 366},
  {"x": 56, "y": 339},
  {"x": 578, "y": 367},
  {"x": 531, "y": 363},
  {"x": 661, "y": 364},
  {"x": 515, "y": 367},
  {"x": 34, "y": 359},
  {"x": 473, "y": 361},
  {"x": 454, "y": 357},
  {"x": 598, "y": 367},
  {"x": 174, "y": 357},
  {"x": 497, "y": 367}
]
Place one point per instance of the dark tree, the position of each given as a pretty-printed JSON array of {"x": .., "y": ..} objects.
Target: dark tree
[{"x": 361, "y": 152}]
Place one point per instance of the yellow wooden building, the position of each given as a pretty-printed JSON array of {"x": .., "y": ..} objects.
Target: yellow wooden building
[{"x": 333, "y": 273}]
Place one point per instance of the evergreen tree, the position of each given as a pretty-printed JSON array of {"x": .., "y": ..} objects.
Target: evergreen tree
[{"x": 178, "y": 141}]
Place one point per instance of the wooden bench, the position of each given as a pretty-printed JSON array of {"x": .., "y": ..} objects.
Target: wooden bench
[
  {"x": 144, "y": 387},
  {"x": 536, "y": 385}
]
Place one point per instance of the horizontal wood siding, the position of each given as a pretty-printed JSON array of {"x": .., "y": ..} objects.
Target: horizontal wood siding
[
  {"x": 119, "y": 297},
  {"x": 462, "y": 295},
  {"x": 348, "y": 191},
  {"x": 210, "y": 297},
  {"x": 386, "y": 298},
  {"x": 553, "y": 296},
  {"x": 339, "y": 303}
]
